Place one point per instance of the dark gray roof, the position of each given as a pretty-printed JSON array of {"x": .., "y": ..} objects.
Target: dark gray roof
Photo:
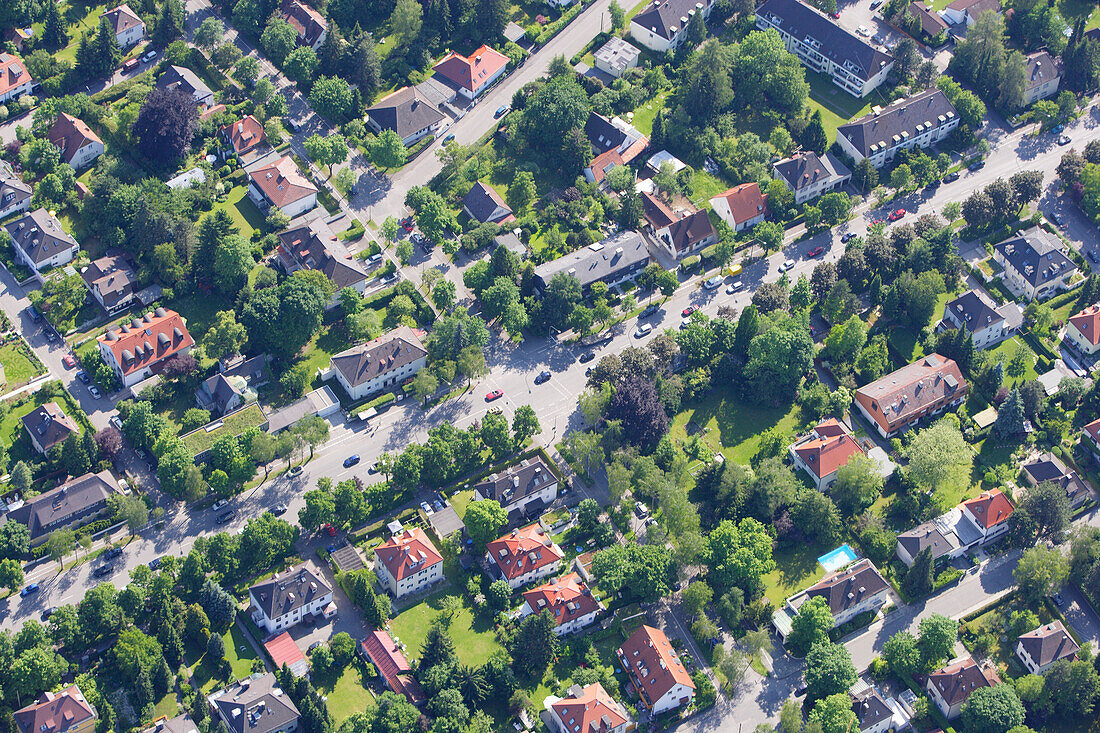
[
  {"x": 662, "y": 16},
  {"x": 286, "y": 591},
  {"x": 112, "y": 275},
  {"x": 316, "y": 247},
  {"x": 67, "y": 500},
  {"x": 870, "y": 708},
  {"x": 805, "y": 168},
  {"x": 255, "y": 705},
  {"x": 179, "y": 724},
  {"x": 603, "y": 134},
  {"x": 183, "y": 78},
  {"x": 389, "y": 351},
  {"x": 837, "y": 44},
  {"x": 49, "y": 424},
  {"x": 689, "y": 230},
  {"x": 40, "y": 235},
  {"x": 1048, "y": 467},
  {"x": 973, "y": 311},
  {"x": 898, "y": 120},
  {"x": 598, "y": 261},
  {"x": 1049, "y": 643},
  {"x": 406, "y": 111},
  {"x": 485, "y": 204},
  {"x": 514, "y": 484},
  {"x": 849, "y": 587},
  {"x": 12, "y": 189},
  {"x": 1037, "y": 256},
  {"x": 511, "y": 242},
  {"x": 1041, "y": 68},
  {"x": 925, "y": 535}
]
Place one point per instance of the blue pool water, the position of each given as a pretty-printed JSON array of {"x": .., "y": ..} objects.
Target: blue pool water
[{"x": 838, "y": 558}]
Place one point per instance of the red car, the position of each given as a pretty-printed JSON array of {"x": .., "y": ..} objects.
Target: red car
[
  {"x": 815, "y": 252},
  {"x": 897, "y": 215},
  {"x": 68, "y": 361},
  {"x": 496, "y": 394},
  {"x": 407, "y": 224},
  {"x": 688, "y": 311},
  {"x": 329, "y": 530},
  {"x": 834, "y": 15}
]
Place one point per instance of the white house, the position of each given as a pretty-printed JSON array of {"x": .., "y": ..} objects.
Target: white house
[
  {"x": 655, "y": 670},
  {"x": 15, "y": 196},
  {"x": 1083, "y": 330},
  {"x": 311, "y": 26},
  {"x": 919, "y": 121},
  {"x": 384, "y": 363},
  {"x": 255, "y": 704},
  {"x": 40, "y": 242},
  {"x": 1035, "y": 266},
  {"x": 523, "y": 489},
  {"x": 78, "y": 144},
  {"x": 809, "y": 175},
  {"x": 588, "y": 710},
  {"x": 951, "y": 686},
  {"x": 281, "y": 184},
  {"x": 137, "y": 349},
  {"x": 568, "y": 599},
  {"x": 408, "y": 563},
  {"x": 987, "y": 323},
  {"x": 858, "y": 588},
  {"x": 662, "y": 25},
  {"x": 989, "y": 512},
  {"x": 471, "y": 75},
  {"x": 523, "y": 556},
  {"x": 408, "y": 113},
  {"x": 1044, "y": 74},
  {"x": 824, "y": 451},
  {"x": 967, "y": 11},
  {"x": 128, "y": 26},
  {"x": 14, "y": 79},
  {"x": 1038, "y": 650},
  {"x": 616, "y": 56},
  {"x": 286, "y": 598},
  {"x": 742, "y": 207},
  {"x": 680, "y": 232}
]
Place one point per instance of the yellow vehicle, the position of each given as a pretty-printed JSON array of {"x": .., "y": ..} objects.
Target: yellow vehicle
[{"x": 733, "y": 270}]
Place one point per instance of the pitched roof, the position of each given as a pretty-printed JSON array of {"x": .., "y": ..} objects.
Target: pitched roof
[
  {"x": 870, "y": 708},
  {"x": 284, "y": 650},
  {"x": 665, "y": 17},
  {"x": 112, "y": 276},
  {"x": 849, "y": 587},
  {"x": 745, "y": 201},
  {"x": 182, "y": 723},
  {"x": 471, "y": 72},
  {"x": 392, "y": 350},
  {"x": 49, "y": 424},
  {"x": 12, "y": 73},
  {"x": 40, "y": 235},
  {"x": 122, "y": 18},
  {"x": 1048, "y": 467},
  {"x": 972, "y": 311},
  {"x": 931, "y": 24},
  {"x": 567, "y": 598},
  {"x": 1087, "y": 322},
  {"x": 392, "y": 665},
  {"x": 148, "y": 340},
  {"x": 291, "y": 589},
  {"x": 12, "y": 189},
  {"x": 854, "y": 54},
  {"x": 652, "y": 663},
  {"x": 1049, "y": 643},
  {"x": 281, "y": 182},
  {"x": 485, "y": 204},
  {"x": 407, "y": 553},
  {"x": 59, "y": 504},
  {"x": 909, "y": 117},
  {"x": 956, "y": 681},
  {"x": 614, "y": 142},
  {"x": 806, "y": 168},
  {"x": 406, "y": 112},
  {"x": 255, "y": 704},
  {"x": 990, "y": 508},
  {"x": 180, "y": 77},
  {"x": 905, "y": 392},
  {"x": 315, "y": 247},
  {"x": 55, "y": 712},
  {"x": 599, "y": 260},
  {"x": 517, "y": 482},
  {"x": 523, "y": 550},
  {"x": 589, "y": 710},
  {"x": 928, "y": 535},
  {"x": 70, "y": 134},
  {"x": 1093, "y": 430},
  {"x": 689, "y": 230},
  {"x": 973, "y": 8},
  {"x": 305, "y": 20},
  {"x": 827, "y": 451},
  {"x": 656, "y": 212},
  {"x": 1036, "y": 255},
  {"x": 244, "y": 134}
]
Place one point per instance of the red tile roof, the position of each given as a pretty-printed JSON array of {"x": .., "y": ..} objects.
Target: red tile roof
[
  {"x": 829, "y": 451},
  {"x": 244, "y": 134},
  {"x": 656, "y": 212},
  {"x": 652, "y": 664},
  {"x": 281, "y": 182},
  {"x": 1093, "y": 430},
  {"x": 122, "y": 18},
  {"x": 902, "y": 395},
  {"x": 55, "y": 712},
  {"x": 523, "y": 550},
  {"x": 745, "y": 201},
  {"x": 392, "y": 665},
  {"x": 70, "y": 134},
  {"x": 148, "y": 340},
  {"x": 990, "y": 509},
  {"x": 305, "y": 20},
  {"x": 956, "y": 681},
  {"x": 567, "y": 598},
  {"x": 407, "y": 553},
  {"x": 473, "y": 71},
  {"x": 12, "y": 73},
  {"x": 1088, "y": 323},
  {"x": 284, "y": 650},
  {"x": 589, "y": 710}
]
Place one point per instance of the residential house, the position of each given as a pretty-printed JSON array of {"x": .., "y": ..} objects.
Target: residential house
[
  {"x": 951, "y": 685},
  {"x": 942, "y": 541},
  {"x": 182, "y": 723},
  {"x": 232, "y": 388},
  {"x": 924, "y": 388},
  {"x": 383, "y": 363},
  {"x": 521, "y": 490},
  {"x": 1038, "y": 650},
  {"x": 822, "y": 45},
  {"x": 875, "y": 713},
  {"x": 14, "y": 79},
  {"x": 182, "y": 78},
  {"x": 919, "y": 121},
  {"x": 408, "y": 113},
  {"x": 138, "y": 349},
  {"x": 471, "y": 75},
  {"x": 379, "y": 648},
  {"x": 661, "y": 26},
  {"x": 1049, "y": 467},
  {"x": 483, "y": 204},
  {"x": 255, "y": 704},
  {"x": 19, "y": 36},
  {"x": 281, "y": 184},
  {"x": 1044, "y": 74},
  {"x": 66, "y": 711},
  {"x": 289, "y": 597},
  {"x": 989, "y": 512},
  {"x": 568, "y": 599},
  {"x": 987, "y": 323},
  {"x": 79, "y": 146},
  {"x": 110, "y": 280},
  {"x": 967, "y": 11},
  {"x": 680, "y": 233},
  {"x": 614, "y": 142},
  {"x": 40, "y": 242},
  {"x": 742, "y": 207},
  {"x": 311, "y": 26},
  {"x": 408, "y": 563},
  {"x": 511, "y": 242},
  {"x": 619, "y": 258},
  {"x": 243, "y": 135},
  {"x": 588, "y": 710},
  {"x": 48, "y": 425},
  {"x": 857, "y": 589},
  {"x": 656, "y": 161},
  {"x": 824, "y": 451},
  {"x": 71, "y": 504},
  {"x": 1083, "y": 330},
  {"x": 655, "y": 670},
  {"x": 314, "y": 246},
  {"x": 809, "y": 175},
  {"x": 1035, "y": 265},
  {"x": 931, "y": 24},
  {"x": 616, "y": 56},
  {"x": 15, "y": 195},
  {"x": 1091, "y": 438},
  {"x": 128, "y": 26},
  {"x": 523, "y": 556}
]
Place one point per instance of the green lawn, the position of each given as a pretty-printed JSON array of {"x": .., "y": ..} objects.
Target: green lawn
[
  {"x": 238, "y": 652},
  {"x": 643, "y": 116},
  {"x": 1070, "y": 9},
  {"x": 199, "y": 310},
  {"x": 81, "y": 18},
  {"x": 461, "y": 500},
  {"x": 735, "y": 424},
  {"x": 244, "y": 213},
  {"x": 328, "y": 342},
  {"x": 349, "y": 694},
  {"x": 168, "y": 706},
  {"x": 19, "y": 365},
  {"x": 473, "y": 637},
  {"x": 704, "y": 187},
  {"x": 795, "y": 568},
  {"x": 1007, "y": 349},
  {"x": 201, "y": 440},
  {"x": 837, "y": 106}
]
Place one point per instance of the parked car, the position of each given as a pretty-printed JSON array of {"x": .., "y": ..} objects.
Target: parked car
[
  {"x": 847, "y": 237},
  {"x": 586, "y": 357},
  {"x": 649, "y": 310},
  {"x": 279, "y": 509},
  {"x": 219, "y": 504},
  {"x": 116, "y": 421},
  {"x": 976, "y": 165},
  {"x": 112, "y": 553},
  {"x": 51, "y": 335},
  {"x": 296, "y": 471},
  {"x": 689, "y": 310},
  {"x": 149, "y": 55},
  {"x": 291, "y": 125},
  {"x": 733, "y": 287},
  {"x": 834, "y": 15},
  {"x": 449, "y": 138},
  {"x": 83, "y": 377},
  {"x": 951, "y": 177},
  {"x": 816, "y": 251},
  {"x": 1064, "y": 140},
  {"x": 154, "y": 563},
  {"x": 130, "y": 65},
  {"x": 897, "y": 214},
  {"x": 1092, "y": 257},
  {"x": 69, "y": 361},
  {"x": 501, "y": 111},
  {"x": 713, "y": 283},
  {"x": 103, "y": 570},
  {"x": 329, "y": 530},
  {"x": 330, "y": 549},
  {"x": 426, "y": 508},
  {"x": 372, "y": 468},
  {"x": 351, "y": 460},
  {"x": 94, "y": 391},
  {"x": 226, "y": 516},
  {"x": 407, "y": 224},
  {"x": 684, "y": 323},
  {"x": 787, "y": 265},
  {"x": 864, "y": 31},
  {"x": 28, "y": 589},
  {"x": 495, "y": 394},
  {"x": 1055, "y": 217},
  {"x": 643, "y": 329},
  {"x": 543, "y": 376},
  {"x": 49, "y": 611},
  {"x": 33, "y": 313}
]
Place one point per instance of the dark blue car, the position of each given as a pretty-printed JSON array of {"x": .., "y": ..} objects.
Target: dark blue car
[{"x": 351, "y": 460}]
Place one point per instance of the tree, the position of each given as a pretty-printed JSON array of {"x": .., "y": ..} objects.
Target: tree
[
  {"x": 327, "y": 151},
  {"x": 938, "y": 635},
  {"x": 1048, "y": 506},
  {"x": 301, "y": 65},
  {"x": 814, "y": 137},
  {"x": 858, "y": 484},
  {"x": 525, "y": 425},
  {"x": 320, "y": 509},
  {"x": 903, "y": 654},
  {"x": 918, "y": 579},
  {"x": 1041, "y": 571},
  {"x": 20, "y": 478},
  {"x": 210, "y": 33},
  {"x": 406, "y": 19},
  {"x": 522, "y": 192},
  {"x": 220, "y": 606},
  {"x": 939, "y": 456},
  {"x": 1072, "y": 686},
  {"x": 829, "y": 670},
  {"x": 739, "y": 555},
  {"x": 232, "y": 263},
  {"x": 11, "y": 574},
  {"x": 225, "y": 337},
  {"x": 777, "y": 360},
  {"x": 278, "y": 40},
  {"x": 769, "y": 234},
  {"x": 696, "y": 597},
  {"x": 60, "y": 543},
  {"x": 331, "y": 97},
  {"x": 811, "y": 625},
  {"x": 834, "y": 714},
  {"x": 133, "y": 511},
  {"x": 637, "y": 404},
  {"x": 14, "y": 538},
  {"x": 816, "y": 514},
  {"x": 993, "y": 709},
  {"x": 483, "y": 521},
  {"x": 165, "y": 125},
  {"x": 169, "y": 24},
  {"x": 535, "y": 645},
  {"x": 1010, "y": 416},
  {"x": 618, "y": 16}
]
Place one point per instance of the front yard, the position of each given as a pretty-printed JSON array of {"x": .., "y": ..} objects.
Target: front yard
[
  {"x": 20, "y": 364},
  {"x": 238, "y": 655}
]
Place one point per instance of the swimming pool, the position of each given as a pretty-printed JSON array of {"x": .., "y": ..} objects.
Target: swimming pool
[{"x": 838, "y": 558}]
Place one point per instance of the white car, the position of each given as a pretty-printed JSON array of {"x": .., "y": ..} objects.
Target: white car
[
  {"x": 149, "y": 56},
  {"x": 219, "y": 504},
  {"x": 789, "y": 264},
  {"x": 864, "y": 31},
  {"x": 733, "y": 287},
  {"x": 643, "y": 329},
  {"x": 94, "y": 392},
  {"x": 713, "y": 283}
]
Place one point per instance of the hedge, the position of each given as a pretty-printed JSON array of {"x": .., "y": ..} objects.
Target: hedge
[
  {"x": 553, "y": 29},
  {"x": 376, "y": 402}
]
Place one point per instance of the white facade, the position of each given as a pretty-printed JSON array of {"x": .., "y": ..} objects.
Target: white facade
[
  {"x": 936, "y": 132},
  {"x": 1022, "y": 288},
  {"x": 281, "y": 623},
  {"x": 130, "y": 36},
  {"x": 531, "y": 576},
  {"x": 1079, "y": 341},
  {"x": 988, "y": 535},
  {"x": 722, "y": 208},
  {"x": 663, "y": 40},
  {"x": 382, "y": 381},
  {"x": 15, "y": 204},
  {"x": 89, "y": 151},
  {"x": 567, "y": 627},
  {"x": 59, "y": 258},
  {"x": 423, "y": 578},
  {"x": 293, "y": 209}
]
